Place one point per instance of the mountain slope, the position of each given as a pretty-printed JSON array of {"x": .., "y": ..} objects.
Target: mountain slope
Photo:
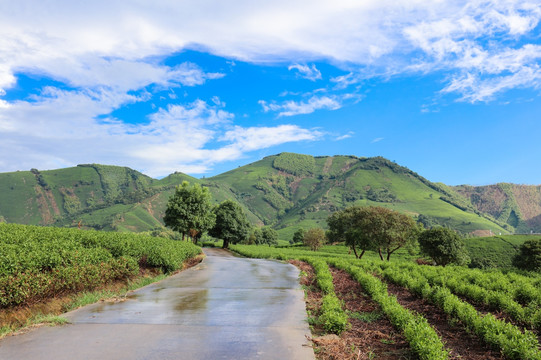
[
  {"x": 517, "y": 205},
  {"x": 292, "y": 190},
  {"x": 286, "y": 191}
]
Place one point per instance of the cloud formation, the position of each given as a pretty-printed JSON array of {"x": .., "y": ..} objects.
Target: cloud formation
[
  {"x": 106, "y": 54},
  {"x": 306, "y": 72},
  {"x": 61, "y": 131}
]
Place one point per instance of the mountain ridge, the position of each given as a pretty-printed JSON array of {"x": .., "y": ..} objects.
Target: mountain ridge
[{"x": 285, "y": 190}]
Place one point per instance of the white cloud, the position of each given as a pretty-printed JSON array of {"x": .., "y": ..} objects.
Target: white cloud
[
  {"x": 376, "y": 140},
  {"x": 345, "y": 136},
  {"x": 108, "y": 52},
  {"x": 290, "y": 107},
  {"x": 60, "y": 130},
  {"x": 306, "y": 72}
]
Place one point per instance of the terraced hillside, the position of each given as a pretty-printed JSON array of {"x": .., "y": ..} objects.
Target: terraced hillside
[{"x": 286, "y": 191}]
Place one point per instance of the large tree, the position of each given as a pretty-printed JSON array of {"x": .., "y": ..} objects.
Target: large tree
[
  {"x": 232, "y": 225},
  {"x": 444, "y": 246},
  {"x": 346, "y": 225},
  {"x": 189, "y": 210},
  {"x": 372, "y": 228}
]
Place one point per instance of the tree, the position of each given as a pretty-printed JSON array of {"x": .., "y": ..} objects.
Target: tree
[
  {"x": 372, "y": 228},
  {"x": 232, "y": 225},
  {"x": 314, "y": 238},
  {"x": 529, "y": 256},
  {"x": 266, "y": 235},
  {"x": 189, "y": 210},
  {"x": 444, "y": 246},
  {"x": 346, "y": 225},
  {"x": 298, "y": 236}
]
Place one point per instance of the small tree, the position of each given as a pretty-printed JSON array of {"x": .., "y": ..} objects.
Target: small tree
[
  {"x": 266, "y": 235},
  {"x": 314, "y": 238},
  {"x": 231, "y": 225},
  {"x": 298, "y": 236},
  {"x": 444, "y": 246},
  {"x": 189, "y": 210},
  {"x": 529, "y": 256}
]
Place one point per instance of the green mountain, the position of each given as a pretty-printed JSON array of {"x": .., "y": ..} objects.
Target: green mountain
[{"x": 286, "y": 191}]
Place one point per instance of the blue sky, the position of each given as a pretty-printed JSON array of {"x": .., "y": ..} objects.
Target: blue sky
[{"x": 450, "y": 89}]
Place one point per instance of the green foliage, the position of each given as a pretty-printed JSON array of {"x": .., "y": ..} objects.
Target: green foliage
[
  {"x": 189, "y": 210},
  {"x": 40, "y": 262},
  {"x": 298, "y": 236},
  {"x": 368, "y": 228},
  {"x": 333, "y": 317},
  {"x": 314, "y": 238},
  {"x": 444, "y": 246},
  {"x": 380, "y": 195},
  {"x": 231, "y": 224},
  {"x": 265, "y": 236},
  {"x": 529, "y": 257},
  {"x": 295, "y": 164}
]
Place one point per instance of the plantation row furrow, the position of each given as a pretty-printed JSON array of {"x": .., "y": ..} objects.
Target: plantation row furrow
[
  {"x": 423, "y": 339},
  {"x": 496, "y": 300},
  {"x": 40, "y": 262},
  {"x": 507, "y": 338},
  {"x": 333, "y": 317}
]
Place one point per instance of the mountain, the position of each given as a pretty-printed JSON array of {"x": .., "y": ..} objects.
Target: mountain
[
  {"x": 286, "y": 191},
  {"x": 517, "y": 205}
]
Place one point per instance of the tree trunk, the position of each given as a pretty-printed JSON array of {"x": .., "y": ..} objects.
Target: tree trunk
[
  {"x": 225, "y": 245},
  {"x": 354, "y": 251},
  {"x": 380, "y": 255},
  {"x": 183, "y": 236},
  {"x": 362, "y": 253}
]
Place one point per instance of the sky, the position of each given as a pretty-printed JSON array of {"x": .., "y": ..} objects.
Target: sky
[{"x": 448, "y": 88}]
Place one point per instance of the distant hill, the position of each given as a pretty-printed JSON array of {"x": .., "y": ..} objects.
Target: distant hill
[
  {"x": 286, "y": 191},
  {"x": 517, "y": 205}
]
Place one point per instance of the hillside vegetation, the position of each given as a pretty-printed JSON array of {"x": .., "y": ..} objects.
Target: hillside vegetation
[
  {"x": 517, "y": 205},
  {"x": 286, "y": 191}
]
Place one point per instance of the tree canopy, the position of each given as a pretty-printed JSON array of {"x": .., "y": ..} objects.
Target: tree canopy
[
  {"x": 314, "y": 238},
  {"x": 189, "y": 210},
  {"x": 529, "y": 256},
  {"x": 232, "y": 225},
  {"x": 372, "y": 228},
  {"x": 444, "y": 246},
  {"x": 298, "y": 236},
  {"x": 266, "y": 235}
]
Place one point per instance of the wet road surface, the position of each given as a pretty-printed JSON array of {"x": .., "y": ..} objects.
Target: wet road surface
[{"x": 224, "y": 308}]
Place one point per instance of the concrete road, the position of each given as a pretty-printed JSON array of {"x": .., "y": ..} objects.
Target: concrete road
[{"x": 224, "y": 308}]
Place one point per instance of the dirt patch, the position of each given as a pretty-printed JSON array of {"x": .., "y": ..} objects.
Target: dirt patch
[
  {"x": 372, "y": 336},
  {"x": 328, "y": 164},
  {"x": 460, "y": 343}
]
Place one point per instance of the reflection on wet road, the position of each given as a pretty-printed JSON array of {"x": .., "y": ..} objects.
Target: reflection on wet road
[{"x": 224, "y": 308}]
